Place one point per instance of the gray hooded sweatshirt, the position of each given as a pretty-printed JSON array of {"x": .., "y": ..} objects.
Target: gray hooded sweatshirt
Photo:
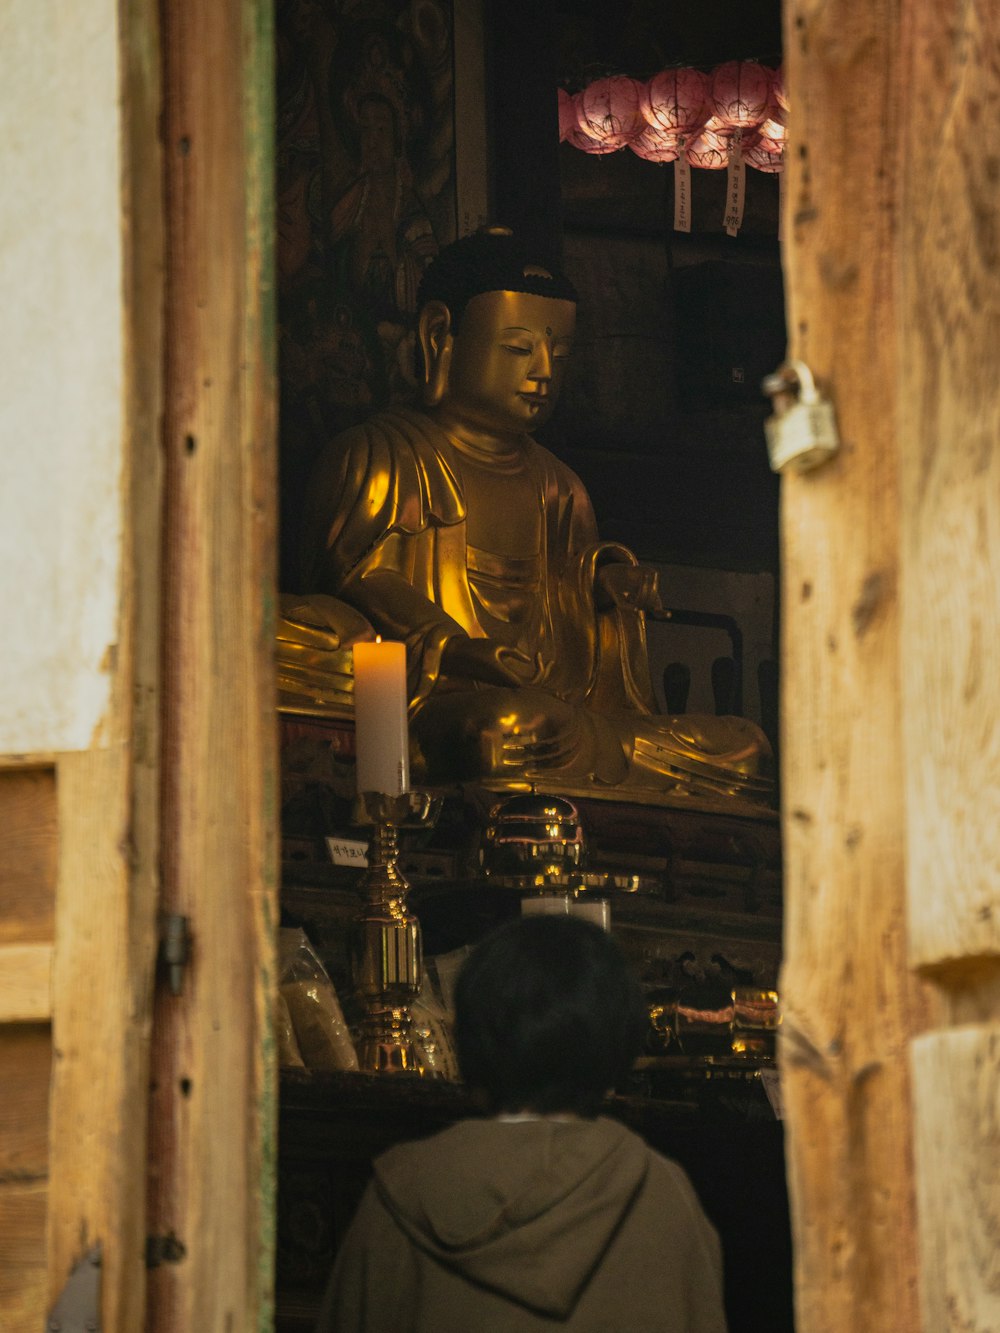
[{"x": 519, "y": 1226}]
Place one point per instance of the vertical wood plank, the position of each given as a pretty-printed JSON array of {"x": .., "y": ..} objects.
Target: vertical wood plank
[
  {"x": 950, "y": 423},
  {"x": 850, "y": 1004},
  {"x": 956, "y": 1078},
  {"x": 213, "y": 1109},
  {"x": 106, "y": 938},
  {"x": 25, "y": 1062},
  {"x": 101, "y": 986},
  {"x": 950, "y": 428},
  {"x": 22, "y": 1255}
]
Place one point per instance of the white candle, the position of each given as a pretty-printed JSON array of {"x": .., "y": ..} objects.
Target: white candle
[
  {"x": 381, "y": 738},
  {"x": 597, "y": 910},
  {"x": 546, "y": 904}
]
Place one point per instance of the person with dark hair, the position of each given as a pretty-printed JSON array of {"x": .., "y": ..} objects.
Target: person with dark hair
[{"x": 542, "y": 1215}]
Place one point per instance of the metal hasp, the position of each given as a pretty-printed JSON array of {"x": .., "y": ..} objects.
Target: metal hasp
[
  {"x": 78, "y": 1308},
  {"x": 802, "y": 433},
  {"x": 175, "y": 949}
]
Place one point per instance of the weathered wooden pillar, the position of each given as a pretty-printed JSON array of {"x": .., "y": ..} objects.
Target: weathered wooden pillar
[
  {"x": 891, "y": 1054},
  {"x": 949, "y": 424},
  {"x": 213, "y": 1103},
  {"x": 851, "y": 1002}
]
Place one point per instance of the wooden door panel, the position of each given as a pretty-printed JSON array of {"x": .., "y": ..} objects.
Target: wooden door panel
[
  {"x": 25, "y": 1066},
  {"x": 28, "y": 852},
  {"x": 28, "y": 857}
]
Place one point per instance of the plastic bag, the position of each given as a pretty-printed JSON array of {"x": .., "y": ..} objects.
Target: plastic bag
[
  {"x": 432, "y": 1033},
  {"x": 316, "y": 1016},
  {"x": 289, "y": 1055},
  {"x": 433, "y": 1013}
]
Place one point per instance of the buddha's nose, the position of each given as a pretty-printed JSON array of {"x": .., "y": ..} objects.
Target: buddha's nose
[{"x": 541, "y": 364}]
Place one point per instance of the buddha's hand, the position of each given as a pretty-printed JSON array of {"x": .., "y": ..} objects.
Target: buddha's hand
[
  {"x": 486, "y": 660},
  {"x": 633, "y": 587}
]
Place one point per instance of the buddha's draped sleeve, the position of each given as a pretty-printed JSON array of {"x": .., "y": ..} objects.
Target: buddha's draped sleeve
[
  {"x": 601, "y": 654},
  {"x": 384, "y": 500}
]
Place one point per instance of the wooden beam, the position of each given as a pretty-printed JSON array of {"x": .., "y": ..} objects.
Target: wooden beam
[
  {"x": 25, "y": 983},
  {"x": 950, "y": 429},
  {"x": 214, "y": 1104},
  {"x": 850, "y": 1003}
]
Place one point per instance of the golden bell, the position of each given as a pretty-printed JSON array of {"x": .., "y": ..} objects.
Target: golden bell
[{"x": 532, "y": 838}]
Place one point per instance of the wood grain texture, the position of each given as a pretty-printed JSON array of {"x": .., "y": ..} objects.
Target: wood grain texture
[
  {"x": 850, "y": 1004},
  {"x": 950, "y": 425},
  {"x": 106, "y": 936},
  {"x": 28, "y": 852},
  {"x": 25, "y": 1066},
  {"x": 950, "y": 429},
  {"x": 25, "y": 983},
  {"x": 22, "y": 1255},
  {"x": 956, "y": 1076},
  {"x": 214, "y": 1104}
]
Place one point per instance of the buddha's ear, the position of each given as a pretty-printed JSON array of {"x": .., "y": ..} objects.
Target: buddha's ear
[{"x": 434, "y": 332}]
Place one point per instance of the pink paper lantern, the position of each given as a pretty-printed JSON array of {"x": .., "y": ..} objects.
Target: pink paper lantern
[
  {"x": 710, "y": 151},
  {"x": 577, "y": 139},
  {"x": 778, "y": 88},
  {"x": 608, "y": 110},
  {"x": 772, "y": 127},
  {"x": 739, "y": 93},
  {"x": 761, "y": 158},
  {"x": 567, "y": 115},
  {"x": 676, "y": 100},
  {"x": 656, "y": 145},
  {"x": 570, "y": 132}
]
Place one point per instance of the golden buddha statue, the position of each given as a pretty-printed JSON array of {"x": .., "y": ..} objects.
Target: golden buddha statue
[{"x": 448, "y": 527}]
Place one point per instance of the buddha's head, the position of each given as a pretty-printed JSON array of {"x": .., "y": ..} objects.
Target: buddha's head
[{"x": 495, "y": 333}]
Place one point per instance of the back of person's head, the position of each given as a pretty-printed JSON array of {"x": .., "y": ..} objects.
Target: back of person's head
[{"x": 548, "y": 1016}]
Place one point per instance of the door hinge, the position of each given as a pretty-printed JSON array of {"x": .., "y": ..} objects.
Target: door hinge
[
  {"x": 78, "y": 1309},
  {"x": 175, "y": 948}
]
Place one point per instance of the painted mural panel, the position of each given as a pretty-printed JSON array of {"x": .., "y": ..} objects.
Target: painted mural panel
[{"x": 366, "y": 196}]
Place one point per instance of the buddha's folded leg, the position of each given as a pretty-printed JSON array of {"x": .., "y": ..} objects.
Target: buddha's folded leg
[{"x": 715, "y": 755}]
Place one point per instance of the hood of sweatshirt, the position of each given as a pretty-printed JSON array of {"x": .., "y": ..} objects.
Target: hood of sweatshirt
[{"x": 526, "y": 1208}]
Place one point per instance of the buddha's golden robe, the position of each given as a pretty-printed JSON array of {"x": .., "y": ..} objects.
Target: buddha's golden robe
[{"x": 502, "y": 545}]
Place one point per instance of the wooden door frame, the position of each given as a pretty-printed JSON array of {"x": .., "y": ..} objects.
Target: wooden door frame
[
  {"x": 213, "y": 1116},
  {"x": 891, "y": 982},
  {"x": 189, "y": 825},
  {"x": 163, "y": 1108}
]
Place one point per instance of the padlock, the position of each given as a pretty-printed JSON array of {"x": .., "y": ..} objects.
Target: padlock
[{"x": 802, "y": 433}]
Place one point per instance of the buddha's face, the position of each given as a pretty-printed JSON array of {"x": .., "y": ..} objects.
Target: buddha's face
[{"x": 508, "y": 360}]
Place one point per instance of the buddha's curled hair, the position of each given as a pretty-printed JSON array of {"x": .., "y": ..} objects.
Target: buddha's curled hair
[{"x": 490, "y": 260}]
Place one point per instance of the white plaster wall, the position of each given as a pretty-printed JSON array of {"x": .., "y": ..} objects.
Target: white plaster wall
[{"x": 60, "y": 369}]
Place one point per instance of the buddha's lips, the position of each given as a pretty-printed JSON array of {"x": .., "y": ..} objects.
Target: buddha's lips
[{"x": 535, "y": 397}]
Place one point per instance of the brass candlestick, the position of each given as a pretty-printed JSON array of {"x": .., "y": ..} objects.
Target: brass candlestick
[{"x": 387, "y": 959}]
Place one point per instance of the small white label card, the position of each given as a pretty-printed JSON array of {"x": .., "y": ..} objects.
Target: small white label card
[{"x": 348, "y": 852}]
